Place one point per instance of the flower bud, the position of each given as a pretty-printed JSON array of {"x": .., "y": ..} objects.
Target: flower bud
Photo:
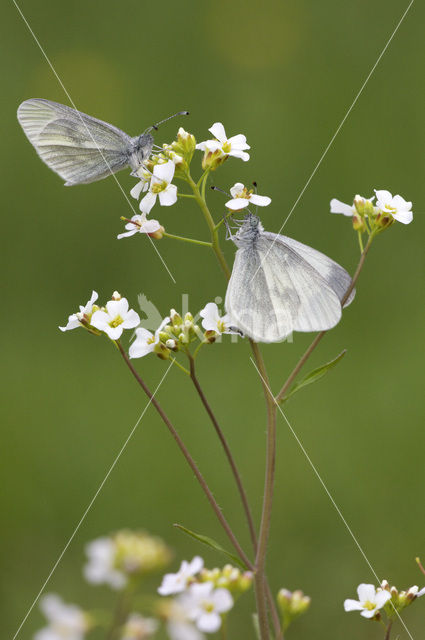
[
  {"x": 161, "y": 351},
  {"x": 116, "y": 296},
  {"x": 383, "y": 220},
  {"x": 171, "y": 344},
  {"x": 213, "y": 159},
  {"x": 292, "y": 605},
  {"x": 358, "y": 223},
  {"x": 210, "y": 336},
  {"x": 158, "y": 234}
]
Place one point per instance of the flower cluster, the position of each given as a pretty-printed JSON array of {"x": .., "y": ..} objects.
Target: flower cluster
[
  {"x": 370, "y": 217},
  {"x": 64, "y": 621},
  {"x": 116, "y": 559},
  {"x": 111, "y": 319},
  {"x": 201, "y": 596},
  {"x": 372, "y": 600},
  {"x": 176, "y": 333}
]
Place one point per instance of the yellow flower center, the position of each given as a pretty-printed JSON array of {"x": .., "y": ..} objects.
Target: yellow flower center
[
  {"x": 159, "y": 186},
  {"x": 208, "y": 606},
  {"x": 116, "y": 321},
  {"x": 370, "y": 606},
  {"x": 227, "y": 147}
]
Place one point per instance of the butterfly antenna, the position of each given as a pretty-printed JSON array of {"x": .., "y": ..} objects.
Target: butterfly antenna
[
  {"x": 155, "y": 126},
  {"x": 254, "y": 184}
]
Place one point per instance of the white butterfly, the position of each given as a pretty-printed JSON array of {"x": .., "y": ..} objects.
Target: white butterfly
[
  {"x": 78, "y": 147},
  {"x": 279, "y": 285}
]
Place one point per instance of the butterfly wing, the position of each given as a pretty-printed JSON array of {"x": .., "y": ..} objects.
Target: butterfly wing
[
  {"x": 336, "y": 276},
  {"x": 273, "y": 291},
  {"x": 76, "y": 146},
  {"x": 253, "y": 303}
]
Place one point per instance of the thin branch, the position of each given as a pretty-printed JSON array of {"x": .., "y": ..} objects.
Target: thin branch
[{"x": 190, "y": 461}]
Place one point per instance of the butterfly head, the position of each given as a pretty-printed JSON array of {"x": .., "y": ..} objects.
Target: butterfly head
[
  {"x": 249, "y": 231},
  {"x": 141, "y": 150}
]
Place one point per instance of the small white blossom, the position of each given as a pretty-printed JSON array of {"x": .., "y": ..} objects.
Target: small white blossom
[
  {"x": 65, "y": 621},
  {"x": 145, "y": 341},
  {"x": 211, "y": 320},
  {"x": 85, "y": 313},
  {"x": 346, "y": 209},
  {"x": 369, "y": 602},
  {"x": 396, "y": 206},
  {"x": 177, "y": 582},
  {"x": 179, "y": 626},
  {"x": 235, "y": 146},
  {"x": 139, "y": 224},
  {"x": 160, "y": 186},
  {"x": 100, "y": 568},
  {"x": 115, "y": 318},
  {"x": 242, "y": 197},
  {"x": 139, "y": 628},
  {"x": 204, "y": 605}
]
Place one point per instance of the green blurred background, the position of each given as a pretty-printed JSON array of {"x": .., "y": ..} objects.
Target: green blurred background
[{"x": 283, "y": 73}]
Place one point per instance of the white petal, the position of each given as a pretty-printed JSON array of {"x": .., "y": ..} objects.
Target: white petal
[
  {"x": 131, "y": 320},
  {"x": 405, "y": 217},
  {"x": 210, "y": 316},
  {"x": 209, "y": 622},
  {"x": 239, "y": 154},
  {"x": 100, "y": 319},
  {"x": 383, "y": 194},
  {"x": 117, "y": 308},
  {"x": 340, "y": 207},
  {"x": 401, "y": 203},
  {"x": 147, "y": 202},
  {"x": 381, "y": 598},
  {"x": 421, "y": 593},
  {"x": 368, "y": 613},
  {"x": 73, "y": 323},
  {"x": 366, "y": 592},
  {"x": 197, "y": 562},
  {"x": 222, "y": 599},
  {"x": 218, "y": 131},
  {"x": 352, "y": 605},
  {"x": 261, "y": 201},
  {"x": 114, "y": 332},
  {"x": 237, "y": 203},
  {"x": 168, "y": 196},
  {"x": 209, "y": 145},
  {"x": 94, "y": 297},
  {"x": 137, "y": 189},
  {"x": 238, "y": 142},
  {"x": 127, "y": 234},
  {"x": 164, "y": 171},
  {"x": 237, "y": 189},
  {"x": 150, "y": 226}
]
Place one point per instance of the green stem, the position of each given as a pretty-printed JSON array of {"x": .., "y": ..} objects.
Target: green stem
[
  {"x": 227, "y": 451},
  {"x": 180, "y": 366},
  {"x": 183, "y": 239},
  {"x": 388, "y": 632},
  {"x": 211, "y": 225},
  {"x": 200, "y": 478},
  {"x": 359, "y": 235},
  {"x": 301, "y": 362},
  {"x": 185, "y": 195}
]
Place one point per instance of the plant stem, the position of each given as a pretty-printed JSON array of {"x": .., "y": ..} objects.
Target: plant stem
[
  {"x": 388, "y": 632},
  {"x": 280, "y": 396},
  {"x": 190, "y": 461},
  {"x": 183, "y": 239},
  {"x": 211, "y": 225},
  {"x": 227, "y": 451}
]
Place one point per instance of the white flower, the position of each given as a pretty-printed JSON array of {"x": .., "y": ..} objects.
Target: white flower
[
  {"x": 421, "y": 592},
  {"x": 139, "y": 628},
  {"x": 100, "y": 568},
  {"x": 235, "y": 146},
  {"x": 204, "y": 604},
  {"x": 349, "y": 210},
  {"x": 211, "y": 320},
  {"x": 115, "y": 318},
  {"x": 145, "y": 341},
  {"x": 65, "y": 621},
  {"x": 243, "y": 197},
  {"x": 85, "y": 313},
  {"x": 177, "y": 582},
  {"x": 139, "y": 224},
  {"x": 143, "y": 185},
  {"x": 160, "y": 187},
  {"x": 369, "y": 602},
  {"x": 179, "y": 627},
  {"x": 396, "y": 206}
]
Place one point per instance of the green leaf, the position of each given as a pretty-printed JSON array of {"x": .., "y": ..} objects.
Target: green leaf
[
  {"x": 213, "y": 544},
  {"x": 314, "y": 375}
]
